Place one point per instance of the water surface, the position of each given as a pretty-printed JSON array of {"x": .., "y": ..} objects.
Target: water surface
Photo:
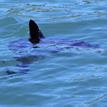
[{"x": 64, "y": 79}]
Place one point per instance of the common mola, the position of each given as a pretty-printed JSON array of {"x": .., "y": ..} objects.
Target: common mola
[
  {"x": 37, "y": 41},
  {"x": 37, "y": 46}
]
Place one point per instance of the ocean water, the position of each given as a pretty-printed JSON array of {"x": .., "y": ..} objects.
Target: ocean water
[{"x": 68, "y": 78}]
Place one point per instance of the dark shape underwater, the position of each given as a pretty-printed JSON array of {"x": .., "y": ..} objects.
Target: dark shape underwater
[
  {"x": 38, "y": 41},
  {"x": 39, "y": 46}
]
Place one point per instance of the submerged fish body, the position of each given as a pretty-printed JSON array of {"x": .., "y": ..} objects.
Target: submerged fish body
[
  {"x": 24, "y": 47},
  {"x": 37, "y": 46}
]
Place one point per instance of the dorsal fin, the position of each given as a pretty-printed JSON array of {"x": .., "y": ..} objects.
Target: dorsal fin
[{"x": 35, "y": 33}]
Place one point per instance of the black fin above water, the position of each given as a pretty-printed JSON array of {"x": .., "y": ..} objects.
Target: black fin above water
[{"x": 35, "y": 33}]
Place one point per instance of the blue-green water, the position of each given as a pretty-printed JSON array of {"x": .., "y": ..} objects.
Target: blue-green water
[{"x": 64, "y": 79}]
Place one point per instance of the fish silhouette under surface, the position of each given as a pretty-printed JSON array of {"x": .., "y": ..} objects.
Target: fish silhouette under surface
[
  {"x": 37, "y": 43},
  {"x": 37, "y": 46}
]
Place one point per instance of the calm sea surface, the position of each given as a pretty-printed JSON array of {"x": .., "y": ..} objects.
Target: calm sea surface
[{"x": 69, "y": 78}]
